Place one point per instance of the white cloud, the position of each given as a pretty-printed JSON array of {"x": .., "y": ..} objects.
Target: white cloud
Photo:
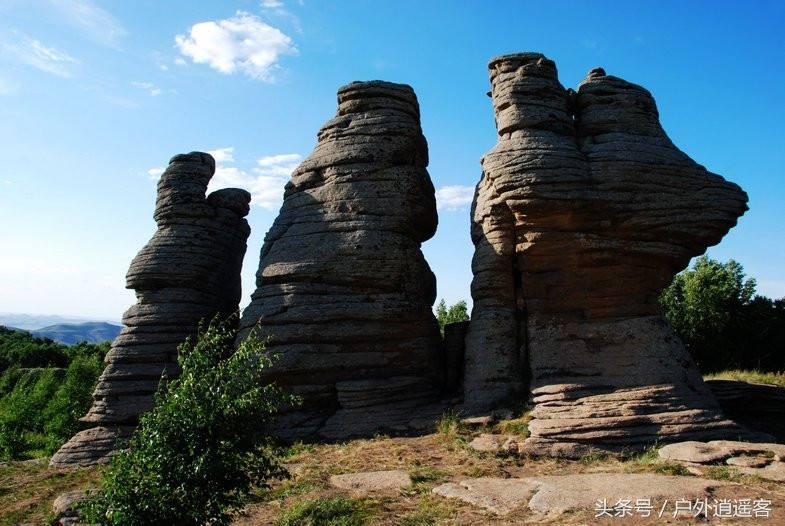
[
  {"x": 454, "y": 197},
  {"x": 265, "y": 181},
  {"x": 33, "y": 53},
  {"x": 223, "y": 155},
  {"x": 95, "y": 22},
  {"x": 149, "y": 87},
  {"x": 155, "y": 173},
  {"x": 272, "y": 4},
  {"x": 242, "y": 43},
  {"x": 180, "y": 62}
]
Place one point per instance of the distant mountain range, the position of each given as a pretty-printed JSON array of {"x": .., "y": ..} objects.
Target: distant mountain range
[
  {"x": 71, "y": 333},
  {"x": 61, "y": 329}
]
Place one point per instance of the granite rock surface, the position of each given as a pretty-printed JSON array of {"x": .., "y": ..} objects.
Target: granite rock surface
[
  {"x": 584, "y": 212},
  {"x": 344, "y": 293},
  {"x": 188, "y": 272}
]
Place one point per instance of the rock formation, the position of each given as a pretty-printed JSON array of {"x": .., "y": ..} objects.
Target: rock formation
[
  {"x": 188, "y": 272},
  {"x": 584, "y": 213},
  {"x": 343, "y": 291}
]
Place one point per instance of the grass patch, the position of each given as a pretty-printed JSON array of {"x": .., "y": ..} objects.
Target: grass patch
[
  {"x": 649, "y": 461},
  {"x": 730, "y": 474},
  {"x": 751, "y": 376},
  {"x": 327, "y": 511},
  {"x": 430, "y": 512},
  {"x": 423, "y": 479},
  {"x": 450, "y": 425},
  {"x": 515, "y": 426},
  {"x": 292, "y": 451},
  {"x": 27, "y": 490}
]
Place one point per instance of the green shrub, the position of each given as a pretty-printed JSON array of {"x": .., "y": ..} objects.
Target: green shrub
[
  {"x": 452, "y": 314},
  {"x": 326, "y": 511},
  {"x": 196, "y": 455},
  {"x": 71, "y": 400}
]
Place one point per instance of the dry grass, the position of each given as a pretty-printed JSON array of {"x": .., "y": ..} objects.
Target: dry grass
[
  {"x": 27, "y": 490},
  {"x": 751, "y": 376}
]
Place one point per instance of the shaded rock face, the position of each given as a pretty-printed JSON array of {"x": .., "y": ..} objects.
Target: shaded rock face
[
  {"x": 343, "y": 290},
  {"x": 188, "y": 272},
  {"x": 584, "y": 213}
]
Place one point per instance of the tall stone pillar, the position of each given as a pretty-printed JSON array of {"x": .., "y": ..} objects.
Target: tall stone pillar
[
  {"x": 188, "y": 272},
  {"x": 344, "y": 293},
  {"x": 584, "y": 213}
]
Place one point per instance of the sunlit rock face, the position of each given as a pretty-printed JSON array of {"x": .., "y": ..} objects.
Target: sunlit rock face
[
  {"x": 584, "y": 213},
  {"x": 189, "y": 271},
  {"x": 344, "y": 294}
]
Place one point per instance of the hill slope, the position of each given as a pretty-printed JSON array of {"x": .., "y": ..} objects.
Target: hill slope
[{"x": 71, "y": 333}]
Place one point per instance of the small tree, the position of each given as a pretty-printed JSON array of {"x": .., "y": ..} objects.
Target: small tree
[
  {"x": 714, "y": 310},
  {"x": 453, "y": 313},
  {"x": 196, "y": 455}
]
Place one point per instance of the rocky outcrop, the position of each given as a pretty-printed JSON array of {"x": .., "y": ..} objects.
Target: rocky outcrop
[
  {"x": 763, "y": 460},
  {"x": 188, "y": 272},
  {"x": 343, "y": 291},
  {"x": 584, "y": 213}
]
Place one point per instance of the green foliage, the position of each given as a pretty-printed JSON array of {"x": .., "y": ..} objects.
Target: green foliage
[
  {"x": 45, "y": 388},
  {"x": 196, "y": 455},
  {"x": 714, "y": 310},
  {"x": 452, "y": 314},
  {"x": 326, "y": 511},
  {"x": 21, "y": 349}
]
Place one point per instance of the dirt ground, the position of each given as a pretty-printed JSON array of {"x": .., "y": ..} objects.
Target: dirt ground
[{"x": 27, "y": 489}]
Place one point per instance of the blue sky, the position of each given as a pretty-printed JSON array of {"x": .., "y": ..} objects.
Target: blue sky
[{"x": 95, "y": 96}]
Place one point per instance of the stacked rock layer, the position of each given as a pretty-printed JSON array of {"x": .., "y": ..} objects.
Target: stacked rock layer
[
  {"x": 188, "y": 272},
  {"x": 344, "y": 293},
  {"x": 584, "y": 213}
]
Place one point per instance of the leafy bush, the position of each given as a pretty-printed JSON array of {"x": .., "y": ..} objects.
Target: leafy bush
[
  {"x": 453, "y": 313},
  {"x": 196, "y": 455},
  {"x": 714, "y": 310}
]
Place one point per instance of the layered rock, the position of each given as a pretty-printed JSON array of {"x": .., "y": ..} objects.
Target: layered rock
[
  {"x": 584, "y": 213},
  {"x": 188, "y": 272},
  {"x": 344, "y": 293}
]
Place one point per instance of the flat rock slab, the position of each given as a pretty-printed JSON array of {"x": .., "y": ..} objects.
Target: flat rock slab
[
  {"x": 501, "y": 496},
  {"x": 372, "y": 481},
  {"x": 760, "y": 459},
  {"x": 557, "y": 494}
]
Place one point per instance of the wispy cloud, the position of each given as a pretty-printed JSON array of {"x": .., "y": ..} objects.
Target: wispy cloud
[
  {"x": 242, "y": 43},
  {"x": 265, "y": 180},
  {"x": 93, "y": 21},
  {"x": 454, "y": 197},
  {"x": 149, "y": 87},
  {"x": 32, "y": 52}
]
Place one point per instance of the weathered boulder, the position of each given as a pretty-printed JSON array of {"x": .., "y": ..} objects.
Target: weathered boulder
[
  {"x": 584, "y": 212},
  {"x": 344, "y": 293},
  {"x": 189, "y": 271}
]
